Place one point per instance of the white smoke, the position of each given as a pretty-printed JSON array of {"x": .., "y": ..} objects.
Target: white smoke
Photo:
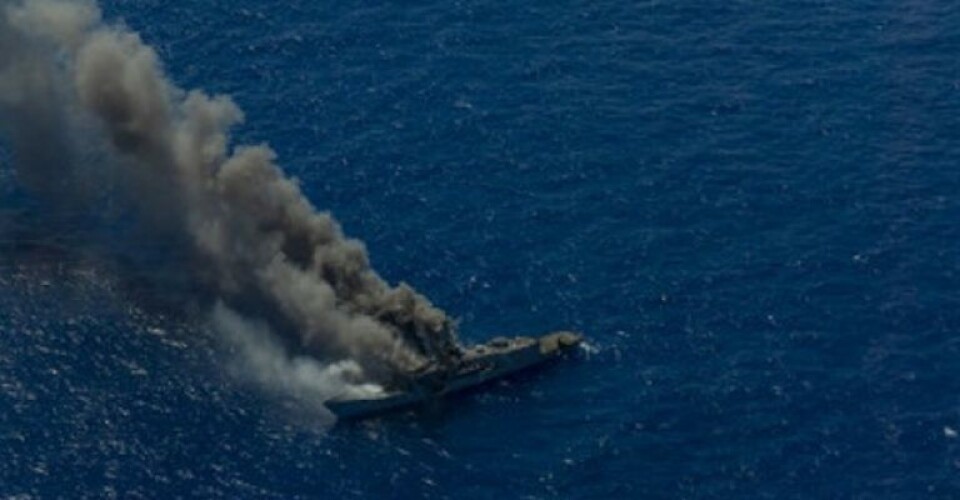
[
  {"x": 260, "y": 359},
  {"x": 65, "y": 74}
]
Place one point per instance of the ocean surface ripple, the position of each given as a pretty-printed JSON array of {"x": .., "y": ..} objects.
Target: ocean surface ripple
[{"x": 749, "y": 207}]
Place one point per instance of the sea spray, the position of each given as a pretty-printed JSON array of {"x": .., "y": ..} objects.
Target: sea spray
[{"x": 65, "y": 75}]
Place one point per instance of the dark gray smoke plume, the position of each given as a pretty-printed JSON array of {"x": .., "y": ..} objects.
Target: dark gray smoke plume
[{"x": 65, "y": 75}]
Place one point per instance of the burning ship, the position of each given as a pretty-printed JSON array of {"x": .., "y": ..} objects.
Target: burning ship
[{"x": 471, "y": 367}]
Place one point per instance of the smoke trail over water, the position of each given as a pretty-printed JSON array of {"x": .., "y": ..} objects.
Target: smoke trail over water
[{"x": 66, "y": 78}]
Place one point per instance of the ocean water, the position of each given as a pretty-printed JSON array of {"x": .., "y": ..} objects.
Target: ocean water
[{"x": 750, "y": 209}]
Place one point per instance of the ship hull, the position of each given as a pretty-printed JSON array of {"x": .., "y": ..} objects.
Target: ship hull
[{"x": 480, "y": 365}]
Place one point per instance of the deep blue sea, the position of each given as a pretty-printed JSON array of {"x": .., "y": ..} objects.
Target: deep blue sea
[{"x": 750, "y": 208}]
